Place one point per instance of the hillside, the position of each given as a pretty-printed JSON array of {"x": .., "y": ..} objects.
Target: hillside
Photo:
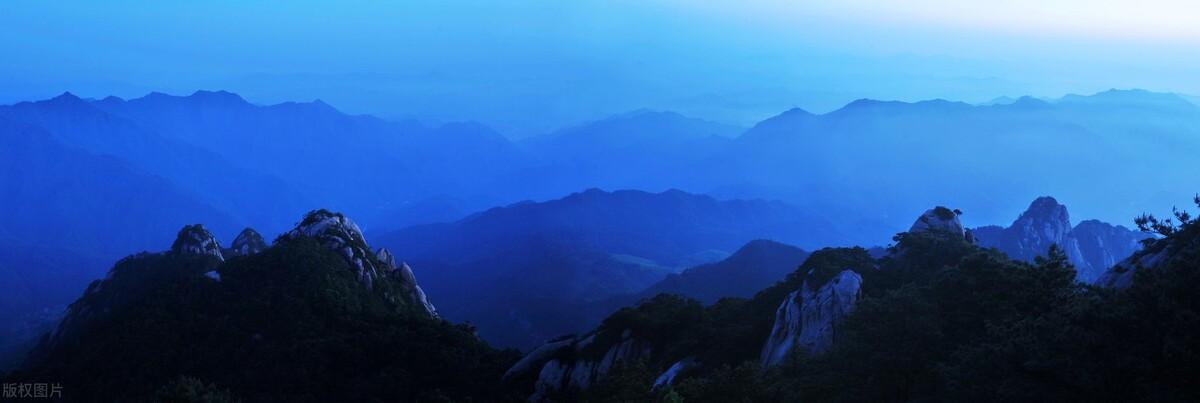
[
  {"x": 522, "y": 271},
  {"x": 936, "y": 319},
  {"x": 754, "y": 266},
  {"x": 317, "y": 316}
]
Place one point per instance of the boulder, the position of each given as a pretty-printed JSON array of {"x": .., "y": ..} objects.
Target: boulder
[{"x": 939, "y": 220}]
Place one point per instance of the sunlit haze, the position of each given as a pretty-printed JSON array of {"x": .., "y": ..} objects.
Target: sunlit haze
[{"x": 530, "y": 67}]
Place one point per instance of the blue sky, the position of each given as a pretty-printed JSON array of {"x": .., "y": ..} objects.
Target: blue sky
[{"x": 530, "y": 66}]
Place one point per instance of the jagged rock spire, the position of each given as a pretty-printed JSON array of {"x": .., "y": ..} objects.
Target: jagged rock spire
[
  {"x": 404, "y": 274},
  {"x": 248, "y": 242},
  {"x": 195, "y": 240}
]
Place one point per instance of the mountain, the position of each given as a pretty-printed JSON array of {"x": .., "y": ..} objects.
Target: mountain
[
  {"x": 1092, "y": 246},
  {"x": 876, "y": 160},
  {"x": 638, "y": 149},
  {"x": 755, "y": 266},
  {"x": 311, "y": 145},
  {"x": 523, "y": 273},
  {"x": 66, "y": 212},
  {"x": 1103, "y": 245},
  {"x": 1195, "y": 100},
  {"x": 260, "y": 199},
  {"x": 63, "y": 196},
  {"x": 316, "y": 316},
  {"x": 936, "y": 319},
  {"x": 38, "y": 283},
  {"x": 1133, "y": 100},
  {"x": 855, "y": 162},
  {"x": 1175, "y": 249}
]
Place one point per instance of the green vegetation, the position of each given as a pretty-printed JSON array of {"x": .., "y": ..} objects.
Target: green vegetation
[
  {"x": 289, "y": 324},
  {"x": 939, "y": 320},
  {"x": 943, "y": 320}
]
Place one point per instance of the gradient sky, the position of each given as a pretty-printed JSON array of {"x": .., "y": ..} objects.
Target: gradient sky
[{"x": 528, "y": 67}]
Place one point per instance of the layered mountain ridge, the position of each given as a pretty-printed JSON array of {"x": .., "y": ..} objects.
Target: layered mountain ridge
[
  {"x": 531, "y": 271},
  {"x": 1092, "y": 246}
]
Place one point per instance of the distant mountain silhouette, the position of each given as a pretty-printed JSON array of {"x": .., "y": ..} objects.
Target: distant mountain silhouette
[
  {"x": 517, "y": 272},
  {"x": 885, "y": 158},
  {"x": 755, "y": 266},
  {"x": 313, "y": 146},
  {"x": 208, "y": 176},
  {"x": 101, "y": 206}
]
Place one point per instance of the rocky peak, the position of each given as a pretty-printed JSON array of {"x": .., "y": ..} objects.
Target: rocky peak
[
  {"x": 1045, "y": 220},
  {"x": 938, "y": 220},
  {"x": 408, "y": 281},
  {"x": 338, "y": 233},
  {"x": 248, "y": 242},
  {"x": 195, "y": 240}
]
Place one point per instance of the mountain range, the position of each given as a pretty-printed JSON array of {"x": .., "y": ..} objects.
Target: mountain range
[
  {"x": 526, "y": 272},
  {"x": 936, "y": 318},
  {"x": 98, "y": 179},
  {"x": 321, "y": 314}
]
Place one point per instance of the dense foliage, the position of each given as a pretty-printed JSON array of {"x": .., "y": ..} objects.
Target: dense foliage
[
  {"x": 289, "y": 324},
  {"x": 943, "y": 320},
  {"x": 939, "y": 319}
]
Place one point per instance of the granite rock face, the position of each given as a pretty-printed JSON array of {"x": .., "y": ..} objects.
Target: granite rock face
[
  {"x": 571, "y": 363},
  {"x": 339, "y": 234},
  {"x": 939, "y": 220},
  {"x": 408, "y": 281},
  {"x": 668, "y": 377},
  {"x": 1092, "y": 246},
  {"x": 248, "y": 242},
  {"x": 1157, "y": 254},
  {"x": 808, "y": 317},
  {"x": 1103, "y": 246},
  {"x": 195, "y": 240}
]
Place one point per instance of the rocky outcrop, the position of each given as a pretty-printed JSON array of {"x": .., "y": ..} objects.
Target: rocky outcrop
[
  {"x": 1103, "y": 246},
  {"x": 1091, "y": 247},
  {"x": 195, "y": 240},
  {"x": 248, "y": 242},
  {"x": 576, "y": 363},
  {"x": 101, "y": 297},
  {"x": 407, "y": 280},
  {"x": 1045, "y": 222},
  {"x": 808, "y": 317},
  {"x": 332, "y": 230},
  {"x": 1158, "y": 254},
  {"x": 341, "y": 235},
  {"x": 939, "y": 220},
  {"x": 668, "y": 377}
]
